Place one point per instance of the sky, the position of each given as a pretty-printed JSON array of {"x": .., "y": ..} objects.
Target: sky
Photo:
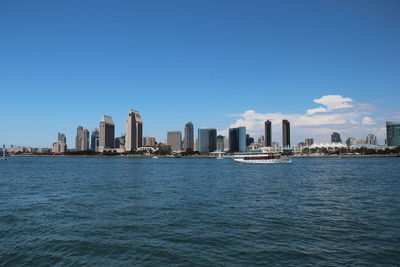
[{"x": 324, "y": 65}]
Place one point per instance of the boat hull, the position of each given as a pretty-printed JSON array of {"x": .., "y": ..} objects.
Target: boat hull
[{"x": 264, "y": 161}]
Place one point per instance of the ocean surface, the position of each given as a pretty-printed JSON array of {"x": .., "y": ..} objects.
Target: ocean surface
[{"x": 199, "y": 212}]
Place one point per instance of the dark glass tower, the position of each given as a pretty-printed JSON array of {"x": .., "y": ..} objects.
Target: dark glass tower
[
  {"x": 237, "y": 139},
  {"x": 335, "y": 138},
  {"x": 207, "y": 140},
  {"x": 95, "y": 135},
  {"x": 188, "y": 141},
  {"x": 285, "y": 133},
  {"x": 267, "y": 133},
  {"x": 393, "y": 133}
]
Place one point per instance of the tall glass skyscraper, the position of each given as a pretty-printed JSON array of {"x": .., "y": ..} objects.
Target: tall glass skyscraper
[
  {"x": 207, "y": 138},
  {"x": 62, "y": 138},
  {"x": 335, "y": 138},
  {"x": 78, "y": 138},
  {"x": 393, "y": 133},
  {"x": 237, "y": 139},
  {"x": 107, "y": 133},
  {"x": 285, "y": 133},
  {"x": 133, "y": 131},
  {"x": 267, "y": 133},
  {"x": 188, "y": 140},
  {"x": 94, "y": 139}
]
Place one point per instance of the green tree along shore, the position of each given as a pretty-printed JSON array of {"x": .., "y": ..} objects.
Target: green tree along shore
[{"x": 356, "y": 151}]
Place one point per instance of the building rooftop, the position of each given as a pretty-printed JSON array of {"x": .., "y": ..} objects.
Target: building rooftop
[{"x": 107, "y": 119}]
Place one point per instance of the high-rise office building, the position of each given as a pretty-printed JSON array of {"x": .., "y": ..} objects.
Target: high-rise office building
[
  {"x": 78, "y": 138},
  {"x": 62, "y": 138},
  {"x": 94, "y": 139},
  {"x": 268, "y": 133},
  {"x": 393, "y": 133},
  {"x": 61, "y": 145},
  {"x": 82, "y": 139},
  {"x": 237, "y": 139},
  {"x": 188, "y": 140},
  {"x": 371, "y": 140},
  {"x": 174, "y": 139},
  {"x": 220, "y": 143},
  {"x": 134, "y": 131},
  {"x": 285, "y": 133},
  {"x": 335, "y": 138},
  {"x": 85, "y": 139},
  {"x": 249, "y": 140},
  {"x": 107, "y": 133},
  {"x": 207, "y": 140},
  {"x": 119, "y": 142},
  {"x": 309, "y": 141}
]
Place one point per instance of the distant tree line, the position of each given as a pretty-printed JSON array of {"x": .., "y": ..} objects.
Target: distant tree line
[{"x": 361, "y": 151}]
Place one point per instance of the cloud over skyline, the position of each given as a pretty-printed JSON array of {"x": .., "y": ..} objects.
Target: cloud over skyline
[{"x": 336, "y": 114}]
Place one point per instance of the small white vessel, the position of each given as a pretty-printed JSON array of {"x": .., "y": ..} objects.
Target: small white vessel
[
  {"x": 155, "y": 157},
  {"x": 219, "y": 155},
  {"x": 4, "y": 153},
  {"x": 262, "y": 158}
]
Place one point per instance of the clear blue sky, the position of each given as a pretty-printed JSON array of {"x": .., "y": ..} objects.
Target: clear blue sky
[{"x": 66, "y": 63}]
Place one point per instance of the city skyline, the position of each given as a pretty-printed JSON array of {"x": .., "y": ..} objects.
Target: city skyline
[
  {"x": 246, "y": 63},
  {"x": 280, "y": 135}
]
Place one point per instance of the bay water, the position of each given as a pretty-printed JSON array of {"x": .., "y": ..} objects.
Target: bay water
[{"x": 72, "y": 211}]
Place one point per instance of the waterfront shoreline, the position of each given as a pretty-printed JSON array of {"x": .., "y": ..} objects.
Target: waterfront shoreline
[{"x": 197, "y": 157}]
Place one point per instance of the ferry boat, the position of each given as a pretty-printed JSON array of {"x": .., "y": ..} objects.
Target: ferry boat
[{"x": 262, "y": 158}]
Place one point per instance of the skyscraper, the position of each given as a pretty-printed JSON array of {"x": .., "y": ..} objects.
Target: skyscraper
[
  {"x": 119, "y": 142},
  {"x": 188, "y": 140},
  {"x": 81, "y": 139},
  {"x": 285, "y": 133},
  {"x": 134, "y": 131},
  {"x": 60, "y": 146},
  {"x": 393, "y": 133},
  {"x": 207, "y": 140},
  {"x": 249, "y": 140},
  {"x": 94, "y": 139},
  {"x": 107, "y": 133},
  {"x": 309, "y": 141},
  {"x": 267, "y": 134},
  {"x": 85, "y": 139},
  {"x": 78, "y": 138},
  {"x": 335, "y": 138},
  {"x": 174, "y": 139},
  {"x": 237, "y": 139},
  {"x": 62, "y": 138},
  {"x": 220, "y": 143},
  {"x": 371, "y": 139}
]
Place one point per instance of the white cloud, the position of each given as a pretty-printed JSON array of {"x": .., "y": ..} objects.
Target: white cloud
[
  {"x": 368, "y": 121},
  {"x": 335, "y": 101},
  {"x": 340, "y": 114},
  {"x": 316, "y": 110}
]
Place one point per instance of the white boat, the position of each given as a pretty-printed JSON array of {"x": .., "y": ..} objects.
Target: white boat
[
  {"x": 4, "y": 153},
  {"x": 261, "y": 158}
]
